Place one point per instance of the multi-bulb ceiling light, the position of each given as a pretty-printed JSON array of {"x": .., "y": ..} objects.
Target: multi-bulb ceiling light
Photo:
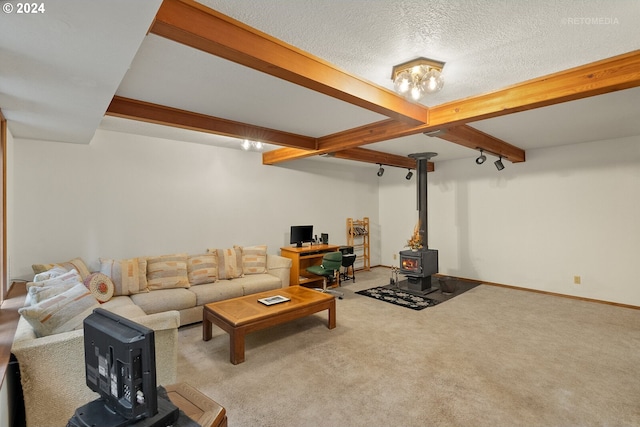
[
  {"x": 417, "y": 78},
  {"x": 247, "y": 145}
]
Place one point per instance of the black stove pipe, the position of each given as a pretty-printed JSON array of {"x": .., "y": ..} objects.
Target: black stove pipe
[{"x": 421, "y": 168}]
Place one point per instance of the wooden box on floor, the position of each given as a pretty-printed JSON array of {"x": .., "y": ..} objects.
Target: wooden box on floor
[{"x": 197, "y": 406}]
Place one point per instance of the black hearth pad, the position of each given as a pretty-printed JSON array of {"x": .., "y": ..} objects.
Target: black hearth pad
[{"x": 399, "y": 297}]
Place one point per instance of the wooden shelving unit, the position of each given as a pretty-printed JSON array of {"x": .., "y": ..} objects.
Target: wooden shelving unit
[{"x": 358, "y": 237}]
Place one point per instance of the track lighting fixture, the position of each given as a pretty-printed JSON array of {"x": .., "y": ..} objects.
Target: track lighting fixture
[
  {"x": 409, "y": 175},
  {"x": 499, "y": 164},
  {"x": 381, "y": 170},
  {"x": 481, "y": 158},
  {"x": 248, "y": 145}
]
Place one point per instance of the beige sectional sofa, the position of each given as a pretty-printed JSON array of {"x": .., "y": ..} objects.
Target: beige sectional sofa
[
  {"x": 146, "y": 291},
  {"x": 189, "y": 301}
]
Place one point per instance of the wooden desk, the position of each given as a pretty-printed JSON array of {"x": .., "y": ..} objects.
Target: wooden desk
[
  {"x": 197, "y": 406},
  {"x": 304, "y": 257}
]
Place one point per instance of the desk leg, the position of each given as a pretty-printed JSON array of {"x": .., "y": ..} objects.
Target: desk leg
[
  {"x": 206, "y": 326},
  {"x": 332, "y": 315},
  {"x": 236, "y": 346}
]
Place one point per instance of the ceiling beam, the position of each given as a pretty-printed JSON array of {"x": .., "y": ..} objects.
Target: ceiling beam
[
  {"x": 376, "y": 132},
  {"x": 609, "y": 75},
  {"x": 470, "y": 137},
  {"x": 197, "y": 26},
  {"x": 376, "y": 157},
  {"x": 160, "y": 114}
]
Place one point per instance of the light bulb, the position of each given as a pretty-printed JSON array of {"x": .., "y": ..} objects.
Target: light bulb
[
  {"x": 258, "y": 145},
  {"x": 402, "y": 82},
  {"x": 416, "y": 93},
  {"x": 432, "y": 81},
  {"x": 246, "y": 144}
]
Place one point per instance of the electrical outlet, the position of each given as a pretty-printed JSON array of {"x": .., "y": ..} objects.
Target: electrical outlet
[
  {"x": 395, "y": 256},
  {"x": 577, "y": 280}
]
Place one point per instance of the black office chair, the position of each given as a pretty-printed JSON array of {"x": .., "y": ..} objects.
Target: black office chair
[
  {"x": 329, "y": 270},
  {"x": 348, "y": 259}
]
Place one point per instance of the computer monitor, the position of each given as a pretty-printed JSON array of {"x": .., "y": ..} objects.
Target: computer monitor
[
  {"x": 301, "y": 234},
  {"x": 120, "y": 364}
]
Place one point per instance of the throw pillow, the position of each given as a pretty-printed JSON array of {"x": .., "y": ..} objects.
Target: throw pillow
[
  {"x": 40, "y": 293},
  {"x": 254, "y": 259},
  {"x": 229, "y": 262},
  {"x": 76, "y": 263},
  {"x": 167, "y": 272},
  {"x": 129, "y": 276},
  {"x": 49, "y": 274},
  {"x": 61, "y": 313},
  {"x": 100, "y": 286},
  {"x": 64, "y": 280},
  {"x": 202, "y": 268},
  {"x": 68, "y": 277}
]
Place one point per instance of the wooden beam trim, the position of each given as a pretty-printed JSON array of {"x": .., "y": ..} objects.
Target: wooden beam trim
[
  {"x": 192, "y": 24},
  {"x": 159, "y": 114},
  {"x": 470, "y": 137},
  {"x": 379, "y": 157},
  {"x": 609, "y": 75},
  {"x": 597, "y": 78},
  {"x": 375, "y": 157}
]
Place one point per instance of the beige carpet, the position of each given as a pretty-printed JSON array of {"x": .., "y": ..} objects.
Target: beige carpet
[{"x": 489, "y": 357}]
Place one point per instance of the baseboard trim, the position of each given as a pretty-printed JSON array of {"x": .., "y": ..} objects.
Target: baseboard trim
[{"x": 538, "y": 291}]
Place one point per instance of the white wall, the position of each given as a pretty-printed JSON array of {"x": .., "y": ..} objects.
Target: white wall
[
  {"x": 567, "y": 211},
  {"x": 126, "y": 195}
]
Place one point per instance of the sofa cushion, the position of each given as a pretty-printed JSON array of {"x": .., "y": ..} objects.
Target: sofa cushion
[
  {"x": 221, "y": 290},
  {"x": 76, "y": 263},
  {"x": 124, "y": 306},
  {"x": 167, "y": 272},
  {"x": 202, "y": 268},
  {"x": 100, "y": 286},
  {"x": 259, "y": 283},
  {"x": 229, "y": 262},
  {"x": 129, "y": 276},
  {"x": 254, "y": 259},
  {"x": 165, "y": 299},
  {"x": 61, "y": 313}
]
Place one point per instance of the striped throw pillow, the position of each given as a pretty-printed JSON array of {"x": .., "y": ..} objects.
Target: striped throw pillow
[
  {"x": 229, "y": 262},
  {"x": 60, "y": 313},
  {"x": 202, "y": 268},
  {"x": 129, "y": 276},
  {"x": 167, "y": 272},
  {"x": 254, "y": 259},
  {"x": 76, "y": 263}
]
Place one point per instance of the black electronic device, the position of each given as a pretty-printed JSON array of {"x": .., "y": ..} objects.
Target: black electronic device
[
  {"x": 301, "y": 234},
  {"x": 120, "y": 365}
]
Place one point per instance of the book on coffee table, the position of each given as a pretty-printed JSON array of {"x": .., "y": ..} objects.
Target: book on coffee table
[{"x": 273, "y": 300}]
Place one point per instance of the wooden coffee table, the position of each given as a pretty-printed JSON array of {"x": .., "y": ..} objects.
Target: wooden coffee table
[{"x": 239, "y": 316}]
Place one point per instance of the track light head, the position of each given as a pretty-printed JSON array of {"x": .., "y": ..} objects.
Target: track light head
[
  {"x": 380, "y": 171},
  {"x": 499, "y": 164},
  {"x": 481, "y": 158},
  {"x": 409, "y": 175}
]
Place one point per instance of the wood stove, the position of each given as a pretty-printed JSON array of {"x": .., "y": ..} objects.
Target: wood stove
[{"x": 418, "y": 266}]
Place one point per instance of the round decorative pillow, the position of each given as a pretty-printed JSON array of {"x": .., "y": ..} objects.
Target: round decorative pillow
[{"x": 100, "y": 286}]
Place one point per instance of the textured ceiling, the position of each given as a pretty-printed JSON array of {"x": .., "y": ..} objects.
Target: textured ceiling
[
  {"x": 486, "y": 44},
  {"x": 59, "y": 70}
]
